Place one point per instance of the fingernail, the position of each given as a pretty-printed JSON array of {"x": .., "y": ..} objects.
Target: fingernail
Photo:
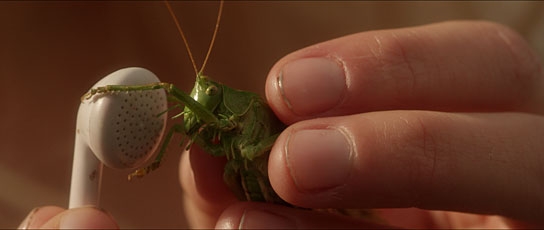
[
  {"x": 87, "y": 218},
  {"x": 261, "y": 219},
  {"x": 318, "y": 159},
  {"x": 27, "y": 222},
  {"x": 312, "y": 85}
]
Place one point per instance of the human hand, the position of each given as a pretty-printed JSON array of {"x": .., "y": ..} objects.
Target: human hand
[
  {"x": 52, "y": 217},
  {"x": 417, "y": 120}
]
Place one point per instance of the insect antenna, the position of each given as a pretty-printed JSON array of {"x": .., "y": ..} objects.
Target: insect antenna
[
  {"x": 198, "y": 72},
  {"x": 213, "y": 37}
]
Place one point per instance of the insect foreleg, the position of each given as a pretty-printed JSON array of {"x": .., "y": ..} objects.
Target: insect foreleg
[
  {"x": 177, "y": 128},
  {"x": 202, "y": 112},
  {"x": 124, "y": 88}
]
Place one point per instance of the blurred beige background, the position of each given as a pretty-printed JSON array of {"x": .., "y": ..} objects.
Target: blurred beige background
[{"x": 52, "y": 52}]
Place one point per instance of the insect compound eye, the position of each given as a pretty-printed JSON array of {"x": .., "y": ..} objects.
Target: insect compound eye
[{"x": 211, "y": 90}]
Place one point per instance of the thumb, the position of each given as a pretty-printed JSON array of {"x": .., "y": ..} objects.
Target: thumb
[{"x": 51, "y": 217}]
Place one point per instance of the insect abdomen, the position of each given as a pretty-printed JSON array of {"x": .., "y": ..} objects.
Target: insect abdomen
[{"x": 257, "y": 129}]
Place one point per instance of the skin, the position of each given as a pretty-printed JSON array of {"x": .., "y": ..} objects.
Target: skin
[{"x": 441, "y": 126}]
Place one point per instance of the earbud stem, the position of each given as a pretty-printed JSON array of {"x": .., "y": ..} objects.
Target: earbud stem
[{"x": 86, "y": 169}]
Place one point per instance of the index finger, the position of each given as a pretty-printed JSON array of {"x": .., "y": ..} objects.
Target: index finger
[{"x": 451, "y": 66}]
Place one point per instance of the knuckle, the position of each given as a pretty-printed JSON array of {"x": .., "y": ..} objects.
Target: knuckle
[
  {"x": 397, "y": 62},
  {"x": 525, "y": 68},
  {"x": 526, "y": 64},
  {"x": 423, "y": 149}
]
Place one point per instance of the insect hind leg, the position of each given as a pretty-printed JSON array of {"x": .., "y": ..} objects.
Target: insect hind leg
[{"x": 177, "y": 128}]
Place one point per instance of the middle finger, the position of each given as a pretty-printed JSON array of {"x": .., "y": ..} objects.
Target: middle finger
[{"x": 469, "y": 162}]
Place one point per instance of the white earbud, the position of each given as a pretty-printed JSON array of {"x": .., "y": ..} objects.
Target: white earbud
[{"x": 122, "y": 129}]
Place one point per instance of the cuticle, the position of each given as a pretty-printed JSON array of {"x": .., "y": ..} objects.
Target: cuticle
[
  {"x": 347, "y": 79},
  {"x": 349, "y": 139},
  {"x": 279, "y": 81},
  {"x": 351, "y": 145},
  {"x": 287, "y": 161}
]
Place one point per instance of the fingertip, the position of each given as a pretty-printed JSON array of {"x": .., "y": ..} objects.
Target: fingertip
[
  {"x": 250, "y": 215},
  {"x": 273, "y": 93},
  {"x": 278, "y": 172},
  {"x": 81, "y": 218},
  {"x": 304, "y": 84},
  {"x": 88, "y": 218},
  {"x": 38, "y": 216},
  {"x": 254, "y": 215},
  {"x": 311, "y": 163},
  {"x": 230, "y": 217}
]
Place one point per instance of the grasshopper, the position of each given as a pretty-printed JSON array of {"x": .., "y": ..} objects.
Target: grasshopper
[
  {"x": 236, "y": 124},
  {"x": 224, "y": 122}
]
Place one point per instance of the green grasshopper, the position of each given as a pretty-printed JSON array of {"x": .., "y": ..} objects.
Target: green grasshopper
[{"x": 224, "y": 122}]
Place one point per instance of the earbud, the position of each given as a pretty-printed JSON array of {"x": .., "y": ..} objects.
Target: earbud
[{"x": 119, "y": 129}]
